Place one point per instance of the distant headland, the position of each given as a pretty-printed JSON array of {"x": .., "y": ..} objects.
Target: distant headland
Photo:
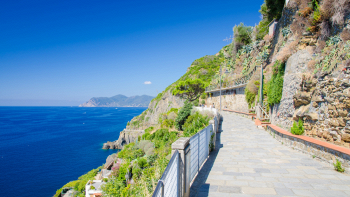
[{"x": 118, "y": 101}]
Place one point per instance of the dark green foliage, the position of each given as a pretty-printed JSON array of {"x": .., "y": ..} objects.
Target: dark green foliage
[
  {"x": 338, "y": 167},
  {"x": 274, "y": 9},
  {"x": 249, "y": 97},
  {"x": 184, "y": 112},
  {"x": 298, "y": 129},
  {"x": 242, "y": 34},
  {"x": 190, "y": 89},
  {"x": 195, "y": 123},
  {"x": 263, "y": 27},
  {"x": 142, "y": 162},
  {"x": 275, "y": 86}
]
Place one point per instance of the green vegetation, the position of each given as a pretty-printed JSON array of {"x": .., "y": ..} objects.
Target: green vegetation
[
  {"x": 195, "y": 123},
  {"x": 275, "y": 86},
  {"x": 274, "y": 9},
  {"x": 79, "y": 185},
  {"x": 242, "y": 34},
  {"x": 68, "y": 185},
  {"x": 184, "y": 112},
  {"x": 338, "y": 167},
  {"x": 298, "y": 129},
  {"x": 203, "y": 68},
  {"x": 190, "y": 89},
  {"x": 263, "y": 27}
]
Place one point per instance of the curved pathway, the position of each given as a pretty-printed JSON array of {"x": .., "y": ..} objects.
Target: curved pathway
[{"x": 250, "y": 162}]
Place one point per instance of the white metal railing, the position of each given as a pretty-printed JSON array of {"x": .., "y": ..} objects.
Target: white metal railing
[
  {"x": 199, "y": 150},
  {"x": 169, "y": 184},
  {"x": 196, "y": 153}
]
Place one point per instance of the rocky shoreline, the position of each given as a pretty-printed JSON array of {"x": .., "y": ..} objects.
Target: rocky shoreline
[{"x": 125, "y": 137}]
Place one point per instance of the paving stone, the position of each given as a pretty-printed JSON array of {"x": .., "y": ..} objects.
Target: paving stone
[
  {"x": 257, "y": 190},
  {"x": 251, "y": 162},
  {"x": 229, "y": 189},
  {"x": 284, "y": 191}
]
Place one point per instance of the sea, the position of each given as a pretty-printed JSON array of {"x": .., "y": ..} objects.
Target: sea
[{"x": 43, "y": 148}]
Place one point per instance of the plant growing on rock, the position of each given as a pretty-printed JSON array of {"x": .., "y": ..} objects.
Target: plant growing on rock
[
  {"x": 338, "y": 167},
  {"x": 275, "y": 86},
  {"x": 298, "y": 129}
]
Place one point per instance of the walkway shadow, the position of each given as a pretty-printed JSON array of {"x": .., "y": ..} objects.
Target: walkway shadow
[{"x": 198, "y": 187}]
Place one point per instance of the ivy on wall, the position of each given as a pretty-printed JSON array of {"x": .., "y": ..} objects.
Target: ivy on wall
[{"x": 275, "y": 86}]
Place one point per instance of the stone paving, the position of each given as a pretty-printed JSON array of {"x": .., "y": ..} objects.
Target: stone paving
[{"x": 249, "y": 162}]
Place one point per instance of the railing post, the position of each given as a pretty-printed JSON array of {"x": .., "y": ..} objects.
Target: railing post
[
  {"x": 180, "y": 145},
  {"x": 215, "y": 129}
]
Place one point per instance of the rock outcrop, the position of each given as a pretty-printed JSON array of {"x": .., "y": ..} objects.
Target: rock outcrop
[
  {"x": 296, "y": 65},
  {"x": 125, "y": 137}
]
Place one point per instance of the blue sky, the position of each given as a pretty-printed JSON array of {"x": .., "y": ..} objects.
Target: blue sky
[{"x": 70, "y": 51}]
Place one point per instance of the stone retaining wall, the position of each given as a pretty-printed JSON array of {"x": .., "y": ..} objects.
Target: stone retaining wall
[
  {"x": 233, "y": 99},
  {"x": 321, "y": 152}
]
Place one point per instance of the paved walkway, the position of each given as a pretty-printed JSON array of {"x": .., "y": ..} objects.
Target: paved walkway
[{"x": 250, "y": 162}]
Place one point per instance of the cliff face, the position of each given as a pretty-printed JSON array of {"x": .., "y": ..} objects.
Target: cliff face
[
  {"x": 125, "y": 137},
  {"x": 136, "y": 126}
]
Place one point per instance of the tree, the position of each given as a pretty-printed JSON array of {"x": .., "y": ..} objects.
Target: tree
[
  {"x": 184, "y": 112},
  {"x": 263, "y": 27},
  {"x": 242, "y": 34},
  {"x": 274, "y": 9},
  {"x": 190, "y": 89}
]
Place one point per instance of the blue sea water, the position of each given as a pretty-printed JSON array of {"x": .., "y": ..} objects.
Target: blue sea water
[{"x": 43, "y": 148}]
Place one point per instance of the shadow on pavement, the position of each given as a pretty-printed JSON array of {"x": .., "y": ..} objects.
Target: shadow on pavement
[{"x": 198, "y": 187}]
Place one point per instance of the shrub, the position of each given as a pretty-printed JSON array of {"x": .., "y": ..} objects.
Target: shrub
[
  {"x": 249, "y": 97},
  {"x": 274, "y": 8},
  {"x": 298, "y": 129},
  {"x": 184, "y": 112},
  {"x": 149, "y": 129},
  {"x": 275, "y": 86},
  {"x": 168, "y": 123},
  {"x": 92, "y": 187},
  {"x": 142, "y": 162},
  {"x": 105, "y": 180},
  {"x": 203, "y": 102},
  {"x": 195, "y": 123},
  {"x": 338, "y": 167},
  {"x": 242, "y": 34}
]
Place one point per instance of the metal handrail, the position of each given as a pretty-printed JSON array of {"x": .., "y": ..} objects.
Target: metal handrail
[{"x": 159, "y": 191}]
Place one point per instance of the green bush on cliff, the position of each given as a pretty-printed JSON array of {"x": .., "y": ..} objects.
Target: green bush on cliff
[
  {"x": 184, "y": 112},
  {"x": 195, "y": 123},
  {"x": 275, "y": 86},
  {"x": 298, "y": 129}
]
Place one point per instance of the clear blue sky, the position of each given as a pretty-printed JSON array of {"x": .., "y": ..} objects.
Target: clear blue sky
[{"x": 70, "y": 51}]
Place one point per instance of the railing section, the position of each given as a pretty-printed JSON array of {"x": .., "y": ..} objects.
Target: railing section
[
  {"x": 169, "y": 184},
  {"x": 196, "y": 154}
]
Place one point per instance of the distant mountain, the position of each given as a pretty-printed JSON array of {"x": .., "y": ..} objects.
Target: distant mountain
[{"x": 118, "y": 101}]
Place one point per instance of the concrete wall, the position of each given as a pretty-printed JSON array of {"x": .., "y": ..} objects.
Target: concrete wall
[{"x": 233, "y": 99}]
